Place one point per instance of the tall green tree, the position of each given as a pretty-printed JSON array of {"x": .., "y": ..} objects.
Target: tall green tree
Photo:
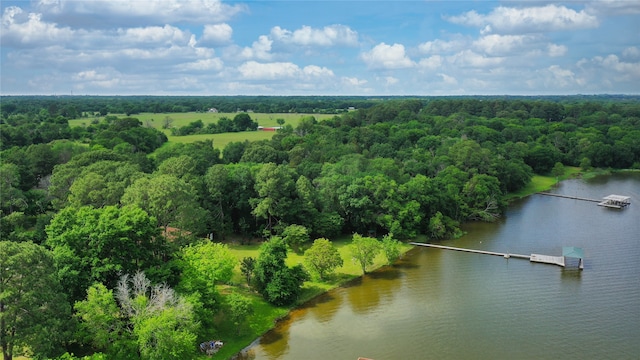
[
  {"x": 391, "y": 248},
  {"x": 271, "y": 259},
  {"x": 11, "y": 197},
  {"x": 364, "y": 250},
  {"x": 218, "y": 184},
  {"x": 171, "y": 200},
  {"x": 322, "y": 258},
  {"x": 275, "y": 186},
  {"x": 278, "y": 284},
  {"x": 34, "y": 313},
  {"x": 247, "y": 267},
  {"x": 239, "y": 309},
  {"x": 207, "y": 262},
  {"x": 295, "y": 236},
  {"x": 88, "y": 245},
  {"x": 102, "y": 183},
  {"x": 101, "y": 322}
]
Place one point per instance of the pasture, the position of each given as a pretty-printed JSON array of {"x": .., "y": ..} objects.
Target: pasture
[{"x": 157, "y": 120}]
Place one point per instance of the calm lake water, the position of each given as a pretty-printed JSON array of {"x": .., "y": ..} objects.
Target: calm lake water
[{"x": 442, "y": 304}]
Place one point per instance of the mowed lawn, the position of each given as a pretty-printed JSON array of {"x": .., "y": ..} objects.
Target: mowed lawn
[
  {"x": 349, "y": 270},
  {"x": 157, "y": 120}
]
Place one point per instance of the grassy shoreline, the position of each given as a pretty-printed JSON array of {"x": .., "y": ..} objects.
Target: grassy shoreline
[{"x": 267, "y": 316}]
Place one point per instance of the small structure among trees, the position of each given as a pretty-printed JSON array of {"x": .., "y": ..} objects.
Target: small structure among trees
[{"x": 211, "y": 347}]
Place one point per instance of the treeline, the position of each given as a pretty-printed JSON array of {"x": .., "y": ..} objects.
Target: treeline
[
  {"x": 115, "y": 198},
  {"x": 240, "y": 122},
  {"x": 87, "y": 106},
  {"x": 78, "y": 106}
]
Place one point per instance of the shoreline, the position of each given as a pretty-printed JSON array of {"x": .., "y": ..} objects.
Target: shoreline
[
  {"x": 242, "y": 353},
  {"x": 544, "y": 183}
]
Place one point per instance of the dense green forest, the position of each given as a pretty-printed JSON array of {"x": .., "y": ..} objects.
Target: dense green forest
[{"x": 102, "y": 226}]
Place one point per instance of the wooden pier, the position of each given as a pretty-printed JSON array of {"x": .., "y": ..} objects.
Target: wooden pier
[
  {"x": 569, "y": 197},
  {"x": 611, "y": 201},
  {"x": 544, "y": 259}
]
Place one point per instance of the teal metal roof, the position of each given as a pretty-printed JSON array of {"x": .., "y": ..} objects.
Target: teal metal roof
[{"x": 573, "y": 252}]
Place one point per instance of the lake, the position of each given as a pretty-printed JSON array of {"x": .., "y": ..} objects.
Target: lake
[{"x": 442, "y": 304}]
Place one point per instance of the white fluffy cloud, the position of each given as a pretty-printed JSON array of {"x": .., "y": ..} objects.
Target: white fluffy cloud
[
  {"x": 384, "y": 56},
  {"x": 555, "y": 50},
  {"x": 469, "y": 58},
  {"x": 495, "y": 44},
  {"x": 260, "y": 49},
  {"x": 105, "y": 78},
  {"x": 216, "y": 34},
  {"x": 431, "y": 63},
  {"x": 20, "y": 28},
  {"x": 331, "y": 35},
  {"x": 540, "y": 19},
  {"x": 106, "y": 13},
  {"x": 28, "y": 30},
  {"x": 353, "y": 81},
  {"x": 629, "y": 70},
  {"x": 213, "y": 64},
  {"x": 631, "y": 53},
  {"x": 442, "y": 46},
  {"x": 151, "y": 36},
  {"x": 252, "y": 70}
]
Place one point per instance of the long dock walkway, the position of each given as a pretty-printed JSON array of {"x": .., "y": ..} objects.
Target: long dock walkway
[
  {"x": 545, "y": 259},
  {"x": 569, "y": 197}
]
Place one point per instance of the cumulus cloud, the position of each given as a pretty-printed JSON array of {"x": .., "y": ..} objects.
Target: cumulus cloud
[
  {"x": 448, "y": 80},
  {"x": 384, "y": 56},
  {"x": 431, "y": 63},
  {"x": 104, "y": 77},
  {"x": 613, "y": 7},
  {"x": 109, "y": 13},
  {"x": 22, "y": 30},
  {"x": 331, "y": 35},
  {"x": 252, "y": 70},
  {"x": 353, "y": 81},
  {"x": 390, "y": 80},
  {"x": 317, "y": 71},
  {"x": 441, "y": 46},
  {"x": 27, "y": 29},
  {"x": 540, "y": 19},
  {"x": 216, "y": 34},
  {"x": 631, "y": 53},
  {"x": 260, "y": 49},
  {"x": 555, "y": 50},
  {"x": 630, "y": 70},
  {"x": 469, "y": 58},
  {"x": 495, "y": 44},
  {"x": 151, "y": 36},
  {"x": 214, "y": 64}
]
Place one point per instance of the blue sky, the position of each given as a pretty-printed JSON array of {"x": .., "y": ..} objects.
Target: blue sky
[{"x": 209, "y": 47}]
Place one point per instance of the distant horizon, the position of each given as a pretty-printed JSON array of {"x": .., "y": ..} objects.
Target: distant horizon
[
  {"x": 319, "y": 48},
  {"x": 314, "y": 95}
]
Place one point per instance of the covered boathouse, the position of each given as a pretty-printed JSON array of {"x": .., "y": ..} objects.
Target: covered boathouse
[{"x": 615, "y": 201}]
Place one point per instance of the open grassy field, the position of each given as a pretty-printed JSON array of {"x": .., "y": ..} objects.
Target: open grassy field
[{"x": 219, "y": 140}]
